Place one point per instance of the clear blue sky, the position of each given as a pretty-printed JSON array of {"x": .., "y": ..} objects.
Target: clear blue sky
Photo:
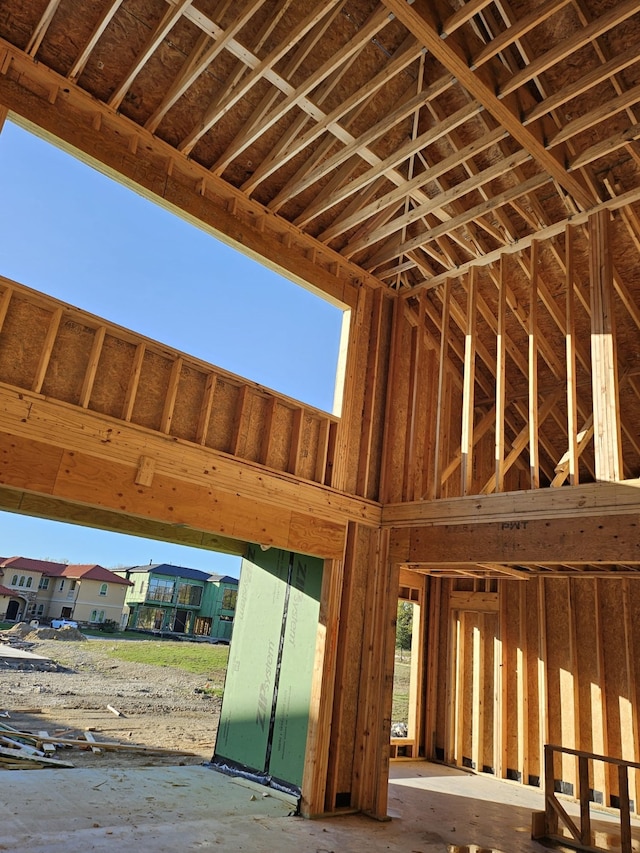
[{"x": 69, "y": 231}]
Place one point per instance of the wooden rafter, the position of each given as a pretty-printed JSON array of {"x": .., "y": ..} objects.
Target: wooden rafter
[{"x": 417, "y": 18}]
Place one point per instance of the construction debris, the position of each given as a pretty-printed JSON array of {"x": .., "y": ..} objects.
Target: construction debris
[{"x": 21, "y": 750}]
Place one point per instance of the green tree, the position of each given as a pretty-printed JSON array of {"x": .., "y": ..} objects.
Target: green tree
[{"x": 404, "y": 625}]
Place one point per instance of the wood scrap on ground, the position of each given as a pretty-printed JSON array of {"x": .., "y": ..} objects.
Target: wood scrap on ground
[{"x": 22, "y": 750}]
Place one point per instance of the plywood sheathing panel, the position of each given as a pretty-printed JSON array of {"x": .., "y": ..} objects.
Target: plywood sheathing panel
[
  {"x": 22, "y": 340},
  {"x": 67, "y": 365},
  {"x": 112, "y": 378},
  {"x": 152, "y": 390}
]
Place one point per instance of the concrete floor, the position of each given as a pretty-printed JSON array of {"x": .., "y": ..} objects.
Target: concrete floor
[{"x": 434, "y": 809}]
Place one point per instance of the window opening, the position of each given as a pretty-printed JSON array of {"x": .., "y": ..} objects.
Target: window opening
[{"x": 255, "y": 335}]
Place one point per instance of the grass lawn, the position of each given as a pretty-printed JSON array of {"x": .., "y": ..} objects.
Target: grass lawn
[
  {"x": 198, "y": 658},
  {"x": 401, "y": 673}
]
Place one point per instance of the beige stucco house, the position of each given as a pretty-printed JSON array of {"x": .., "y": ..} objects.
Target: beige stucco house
[{"x": 45, "y": 590}]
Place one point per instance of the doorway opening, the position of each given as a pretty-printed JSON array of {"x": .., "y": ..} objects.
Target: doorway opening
[{"x": 407, "y": 675}]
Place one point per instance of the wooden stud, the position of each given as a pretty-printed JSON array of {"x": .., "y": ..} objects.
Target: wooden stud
[
  {"x": 371, "y": 383},
  {"x": 92, "y": 366},
  {"x": 439, "y": 431},
  {"x": 501, "y": 379},
  {"x": 5, "y": 299},
  {"x": 572, "y": 389},
  {"x": 172, "y": 393},
  {"x": 316, "y": 764},
  {"x": 322, "y": 451},
  {"x": 267, "y": 433},
  {"x": 296, "y": 441},
  {"x": 41, "y": 28},
  {"x": 47, "y": 349},
  {"x": 604, "y": 368},
  {"x": 433, "y": 676},
  {"x": 417, "y": 349},
  {"x": 390, "y": 402},
  {"x": 205, "y": 410},
  {"x": 78, "y": 66},
  {"x": 467, "y": 442},
  {"x": 243, "y": 407},
  {"x": 534, "y": 424},
  {"x": 134, "y": 380}
]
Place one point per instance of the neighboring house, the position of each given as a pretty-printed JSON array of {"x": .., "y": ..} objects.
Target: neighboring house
[
  {"x": 45, "y": 590},
  {"x": 86, "y": 593},
  {"x": 218, "y": 607},
  {"x": 6, "y": 595},
  {"x": 24, "y": 577},
  {"x": 179, "y": 599}
]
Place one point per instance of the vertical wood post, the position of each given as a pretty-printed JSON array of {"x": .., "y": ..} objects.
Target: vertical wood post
[
  {"x": 444, "y": 349},
  {"x": 604, "y": 369},
  {"x": 571, "y": 348},
  {"x": 466, "y": 443},
  {"x": 501, "y": 352},
  {"x": 534, "y": 459}
]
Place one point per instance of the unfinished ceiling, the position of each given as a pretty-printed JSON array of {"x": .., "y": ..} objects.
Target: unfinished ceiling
[{"x": 411, "y": 139}]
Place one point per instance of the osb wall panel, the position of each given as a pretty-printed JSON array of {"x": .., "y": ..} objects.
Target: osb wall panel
[
  {"x": 280, "y": 439},
  {"x": 221, "y": 425},
  {"x": 112, "y": 378},
  {"x": 21, "y": 342},
  {"x": 575, "y": 645},
  {"x": 70, "y": 353},
  {"x": 188, "y": 405},
  {"x": 152, "y": 391},
  {"x": 253, "y": 437}
]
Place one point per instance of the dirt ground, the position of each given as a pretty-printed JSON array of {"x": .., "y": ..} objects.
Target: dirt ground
[{"x": 160, "y": 706}]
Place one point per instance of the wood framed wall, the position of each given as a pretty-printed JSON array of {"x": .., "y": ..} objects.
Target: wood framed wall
[{"x": 549, "y": 660}]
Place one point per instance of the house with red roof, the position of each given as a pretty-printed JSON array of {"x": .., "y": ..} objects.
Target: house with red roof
[
  {"x": 45, "y": 590},
  {"x": 6, "y": 595}
]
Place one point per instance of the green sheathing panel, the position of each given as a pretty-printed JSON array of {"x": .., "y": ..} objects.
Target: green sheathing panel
[
  {"x": 296, "y": 671},
  {"x": 243, "y": 733},
  {"x": 265, "y": 709}
]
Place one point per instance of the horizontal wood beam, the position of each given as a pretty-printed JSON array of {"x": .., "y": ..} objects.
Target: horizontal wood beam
[
  {"x": 56, "y": 509},
  {"x": 589, "y": 499},
  {"x": 60, "y": 452},
  {"x": 553, "y": 541}
]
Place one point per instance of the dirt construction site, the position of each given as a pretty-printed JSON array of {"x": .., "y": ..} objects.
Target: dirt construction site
[{"x": 77, "y": 689}]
